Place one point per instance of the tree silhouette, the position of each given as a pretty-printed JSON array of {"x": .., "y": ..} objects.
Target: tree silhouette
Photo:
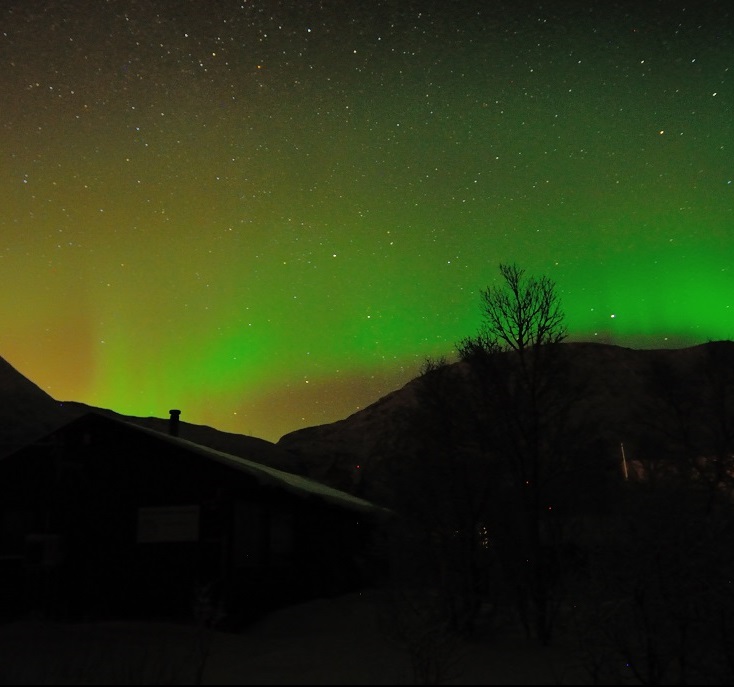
[
  {"x": 526, "y": 399},
  {"x": 521, "y": 315},
  {"x": 487, "y": 497}
]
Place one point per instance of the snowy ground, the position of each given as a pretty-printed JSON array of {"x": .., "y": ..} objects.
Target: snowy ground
[{"x": 336, "y": 641}]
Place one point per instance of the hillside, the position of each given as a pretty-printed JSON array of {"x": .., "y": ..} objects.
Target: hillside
[
  {"x": 622, "y": 392},
  {"x": 26, "y": 411}
]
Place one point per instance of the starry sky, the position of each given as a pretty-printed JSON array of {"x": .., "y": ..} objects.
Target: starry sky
[{"x": 269, "y": 213}]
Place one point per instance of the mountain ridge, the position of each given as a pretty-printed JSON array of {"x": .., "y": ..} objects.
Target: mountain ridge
[
  {"x": 624, "y": 393},
  {"x": 355, "y": 452}
]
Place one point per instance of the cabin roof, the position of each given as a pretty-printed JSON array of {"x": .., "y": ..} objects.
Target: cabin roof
[
  {"x": 269, "y": 476},
  {"x": 265, "y": 475}
]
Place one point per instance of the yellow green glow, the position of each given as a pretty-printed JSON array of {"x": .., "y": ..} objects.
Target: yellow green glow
[{"x": 270, "y": 233}]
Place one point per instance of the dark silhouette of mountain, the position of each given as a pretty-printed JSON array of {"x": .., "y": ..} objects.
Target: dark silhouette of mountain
[
  {"x": 629, "y": 395},
  {"x": 26, "y": 411}
]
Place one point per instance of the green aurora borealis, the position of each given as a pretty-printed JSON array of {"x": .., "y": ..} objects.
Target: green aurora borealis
[{"x": 268, "y": 214}]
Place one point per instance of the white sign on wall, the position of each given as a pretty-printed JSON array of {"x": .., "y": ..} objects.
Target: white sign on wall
[{"x": 168, "y": 524}]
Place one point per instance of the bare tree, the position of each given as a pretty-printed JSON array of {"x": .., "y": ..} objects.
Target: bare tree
[
  {"x": 521, "y": 315},
  {"x": 525, "y": 398}
]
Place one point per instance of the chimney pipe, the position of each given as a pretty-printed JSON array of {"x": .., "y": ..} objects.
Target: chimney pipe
[{"x": 173, "y": 422}]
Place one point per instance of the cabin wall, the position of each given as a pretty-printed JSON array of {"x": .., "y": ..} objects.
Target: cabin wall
[{"x": 106, "y": 521}]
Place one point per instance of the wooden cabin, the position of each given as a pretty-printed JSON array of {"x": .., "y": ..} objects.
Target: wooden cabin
[{"x": 104, "y": 518}]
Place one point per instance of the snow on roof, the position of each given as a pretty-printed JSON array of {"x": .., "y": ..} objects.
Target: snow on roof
[{"x": 266, "y": 475}]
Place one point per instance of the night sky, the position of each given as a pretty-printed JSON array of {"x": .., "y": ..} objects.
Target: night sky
[{"x": 268, "y": 214}]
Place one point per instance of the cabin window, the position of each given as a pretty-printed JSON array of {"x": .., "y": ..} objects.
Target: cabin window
[
  {"x": 168, "y": 524},
  {"x": 43, "y": 550}
]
